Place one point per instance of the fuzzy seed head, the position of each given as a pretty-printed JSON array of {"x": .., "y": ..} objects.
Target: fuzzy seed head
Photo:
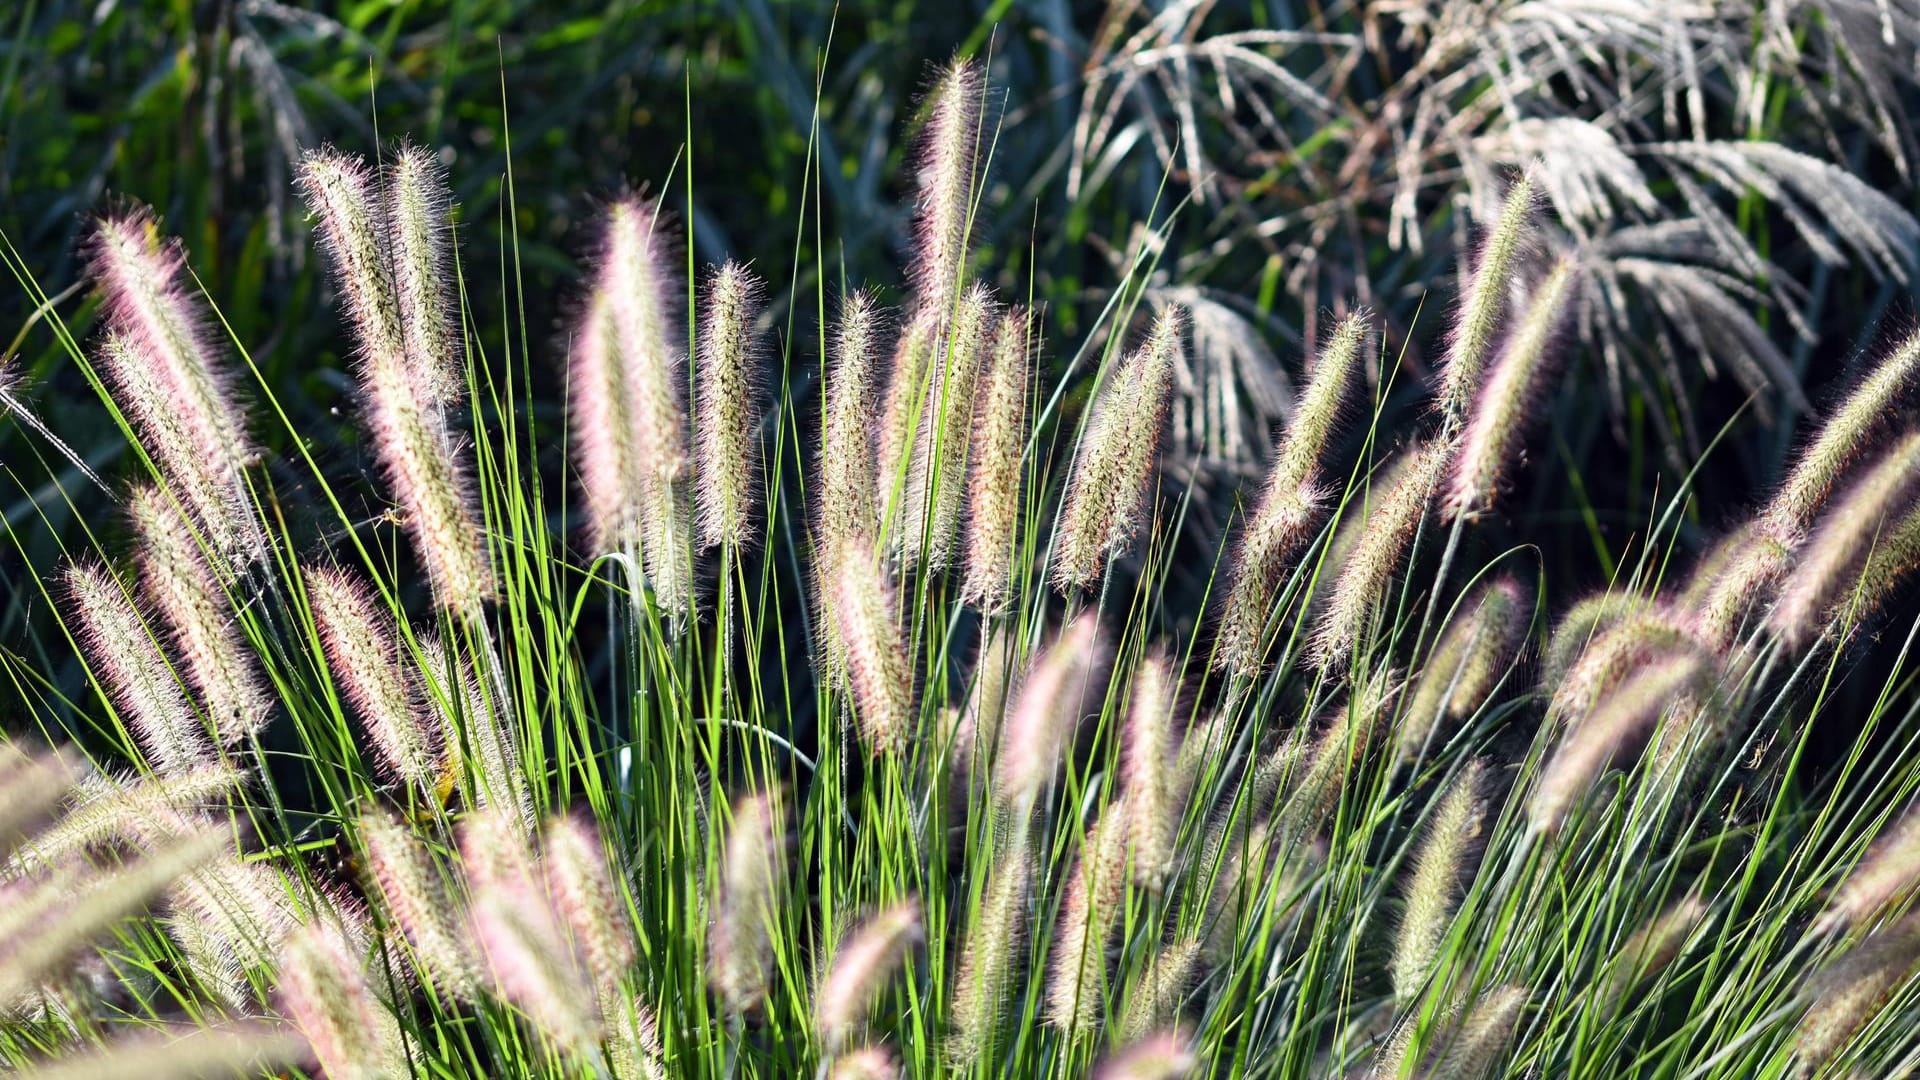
[
  {"x": 994, "y": 463},
  {"x": 1847, "y": 996},
  {"x": 1510, "y": 397},
  {"x": 1888, "y": 875},
  {"x": 909, "y": 373},
  {"x": 1651, "y": 948},
  {"x": 364, "y": 653},
  {"x": 1847, "y": 436},
  {"x": 861, "y": 970},
  {"x": 995, "y": 942},
  {"x": 1620, "y": 722},
  {"x": 878, "y": 668},
  {"x": 1096, "y": 893},
  {"x": 324, "y": 989},
  {"x": 949, "y": 174},
  {"x": 1754, "y": 571},
  {"x": 1316, "y": 419},
  {"x": 1153, "y": 816},
  {"x": 1363, "y": 579},
  {"x": 1473, "y": 654},
  {"x": 1451, "y": 836},
  {"x": 727, "y": 447},
  {"x": 741, "y": 944},
  {"x": 1109, "y": 492},
  {"x": 1479, "y": 1047},
  {"x": 1613, "y": 653},
  {"x": 928, "y": 521},
  {"x": 1483, "y": 308},
  {"x": 410, "y": 884},
  {"x": 419, "y": 214},
  {"x": 848, "y": 474},
  {"x": 1583, "y": 624},
  {"x": 1165, "y": 1056},
  {"x": 1047, "y": 709},
  {"x": 135, "y": 674},
  {"x": 584, "y": 893},
  {"x": 1830, "y": 565},
  {"x": 1155, "y": 997}
]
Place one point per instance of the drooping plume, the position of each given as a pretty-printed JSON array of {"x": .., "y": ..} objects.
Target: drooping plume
[
  {"x": 1848, "y": 435},
  {"x": 1471, "y": 658},
  {"x": 1052, "y": 699},
  {"x": 949, "y": 152},
  {"x": 861, "y": 969},
  {"x": 1109, "y": 493},
  {"x": 135, "y": 674},
  {"x": 364, "y": 654},
  {"x": 1291, "y": 504},
  {"x": 1452, "y": 833},
  {"x": 994, "y": 465},
  {"x": 1889, "y": 873},
  {"x": 1845, "y": 998},
  {"x": 727, "y": 447},
  {"x": 1483, "y": 308},
  {"x": 412, "y": 436},
  {"x": 1509, "y": 398},
  {"x": 1838, "y": 550},
  {"x": 927, "y": 521},
  {"x": 325, "y": 990},
  {"x": 1362, "y": 581}
]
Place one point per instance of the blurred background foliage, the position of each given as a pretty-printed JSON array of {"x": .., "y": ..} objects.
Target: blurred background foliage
[{"x": 1736, "y": 177}]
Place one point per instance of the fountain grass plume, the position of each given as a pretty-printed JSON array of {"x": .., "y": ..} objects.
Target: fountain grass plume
[
  {"x": 844, "y": 507},
  {"x": 999, "y": 440},
  {"x": 1474, "y": 653},
  {"x": 878, "y": 668},
  {"x": 1478, "y": 1047},
  {"x": 583, "y": 891},
  {"x": 861, "y": 969},
  {"x": 1651, "y": 948},
  {"x": 1848, "y": 434},
  {"x": 1478, "y": 319},
  {"x": 1361, "y": 582},
  {"x": 1580, "y": 626},
  {"x": 481, "y": 752},
  {"x": 1291, "y": 504},
  {"x": 1844, "y": 999},
  {"x": 1509, "y": 396},
  {"x": 419, "y": 216},
  {"x": 1153, "y": 999},
  {"x": 412, "y": 439},
  {"x": 1147, "y": 769},
  {"x": 909, "y": 370},
  {"x": 1109, "y": 492},
  {"x": 996, "y": 940},
  {"x": 185, "y": 589},
  {"x": 105, "y": 809},
  {"x": 1609, "y": 655},
  {"x": 1886, "y": 877},
  {"x": 866, "y": 1063},
  {"x": 727, "y": 442},
  {"x": 1096, "y": 892},
  {"x": 1442, "y": 863},
  {"x": 740, "y": 945},
  {"x": 1166, "y": 1055},
  {"x": 1834, "y": 556},
  {"x": 1053, "y": 696},
  {"x": 324, "y": 989},
  {"x": 364, "y": 653},
  {"x": 949, "y": 171},
  {"x": 926, "y": 529},
  {"x": 409, "y": 884},
  {"x": 133, "y": 671}
]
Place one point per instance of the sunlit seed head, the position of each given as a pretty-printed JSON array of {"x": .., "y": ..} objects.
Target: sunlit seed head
[
  {"x": 1168, "y": 1055},
  {"x": 910, "y": 370},
  {"x": 1844, "y": 998},
  {"x": 323, "y": 986},
  {"x": 1077, "y": 974},
  {"x": 949, "y": 155},
  {"x": 1478, "y": 1047},
  {"x": 418, "y": 215},
  {"x": 1849, "y": 434},
  {"x": 1362, "y": 581},
  {"x": 866, "y": 1063},
  {"x": 1053, "y": 696},
  {"x": 410, "y": 885},
  {"x": 926, "y": 530},
  {"x": 1580, "y": 626},
  {"x": 879, "y": 671},
  {"x": 583, "y": 892},
  {"x": 740, "y": 943},
  {"x": 1830, "y": 565},
  {"x": 135, "y": 674},
  {"x": 727, "y": 444},
  {"x": 1474, "y": 653},
  {"x": 861, "y": 969},
  {"x": 1610, "y": 652},
  {"x": 1449, "y": 840},
  {"x": 1477, "y": 321},
  {"x": 995, "y": 943},
  {"x": 1153, "y": 817},
  {"x": 1154, "y": 998},
  {"x": 364, "y": 654},
  {"x": 350, "y": 224},
  {"x": 994, "y": 463}
]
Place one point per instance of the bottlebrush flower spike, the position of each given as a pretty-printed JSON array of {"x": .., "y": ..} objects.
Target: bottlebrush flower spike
[
  {"x": 1331, "y": 756},
  {"x": 878, "y": 669},
  {"x": 909, "y": 373},
  {"x": 104, "y": 809},
  {"x": 1451, "y": 836},
  {"x": 419, "y": 215},
  {"x": 1109, "y": 491},
  {"x": 410, "y": 884},
  {"x": 1363, "y": 579},
  {"x": 949, "y": 174},
  {"x": 1509, "y": 396},
  {"x": 1889, "y": 873},
  {"x": 323, "y": 987},
  {"x": 1166, "y": 1056},
  {"x": 1476, "y": 1049},
  {"x": 364, "y": 655},
  {"x": 199, "y": 615},
  {"x": 1483, "y": 307},
  {"x": 1847, "y": 996},
  {"x": 1847, "y": 436},
  {"x": 1077, "y": 983},
  {"x": 740, "y": 947},
  {"x": 1053, "y": 697},
  {"x": 727, "y": 448},
  {"x": 1471, "y": 658},
  {"x": 1753, "y": 573},
  {"x": 995, "y": 941},
  {"x": 928, "y": 522},
  {"x": 584, "y": 893},
  {"x": 410, "y": 429},
  {"x": 1152, "y": 815},
  {"x": 1583, "y": 624},
  {"x": 1613, "y": 654},
  {"x": 1834, "y": 556},
  {"x": 844, "y": 509},
  {"x": 1154, "y": 998},
  {"x": 134, "y": 673},
  {"x": 994, "y": 465},
  {"x": 170, "y": 377},
  {"x": 1290, "y": 506},
  {"x": 861, "y": 970}
]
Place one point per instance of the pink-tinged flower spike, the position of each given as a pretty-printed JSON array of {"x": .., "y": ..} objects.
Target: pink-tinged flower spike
[
  {"x": 1847, "y": 996},
  {"x": 1166, "y": 1056},
  {"x": 878, "y": 669},
  {"x": 323, "y": 987},
  {"x": 1829, "y": 567},
  {"x": 1152, "y": 816},
  {"x": 994, "y": 462},
  {"x": 1483, "y": 308},
  {"x": 1848, "y": 435},
  {"x": 949, "y": 175},
  {"x": 628, "y": 418},
  {"x": 727, "y": 449},
  {"x": 131, "y": 669},
  {"x": 364, "y": 654},
  {"x": 1509, "y": 397},
  {"x": 740, "y": 946},
  {"x": 866, "y": 1063},
  {"x": 584, "y": 893},
  {"x": 1077, "y": 983},
  {"x": 1611, "y": 653},
  {"x": 1155, "y": 995},
  {"x": 1109, "y": 492},
  {"x": 1054, "y": 695},
  {"x": 199, "y": 615},
  {"x": 410, "y": 883},
  {"x": 1474, "y": 653},
  {"x": 1363, "y": 579},
  {"x": 928, "y": 518},
  {"x": 995, "y": 941},
  {"x": 419, "y": 214},
  {"x": 844, "y": 508},
  {"x": 170, "y": 376},
  {"x": 1290, "y": 507},
  {"x": 411, "y": 435},
  {"x": 861, "y": 969}
]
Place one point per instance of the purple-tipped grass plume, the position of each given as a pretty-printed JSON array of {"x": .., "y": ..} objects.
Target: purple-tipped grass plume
[
  {"x": 364, "y": 653},
  {"x": 726, "y": 460},
  {"x": 1482, "y": 310},
  {"x": 102, "y": 809},
  {"x": 740, "y": 944},
  {"x": 412, "y": 438},
  {"x": 1509, "y": 397},
  {"x": 1361, "y": 582},
  {"x": 416, "y": 900},
  {"x": 167, "y": 372},
  {"x": 861, "y": 969},
  {"x": 866, "y": 1063},
  {"x": 1291, "y": 504},
  {"x": 996, "y": 940},
  {"x": 878, "y": 669},
  {"x": 1096, "y": 893},
  {"x": 134, "y": 673},
  {"x": 1154, "y": 996},
  {"x": 419, "y": 217},
  {"x": 950, "y": 164},
  {"x": 235, "y": 1050},
  {"x": 183, "y": 587},
  {"x": 1580, "y": 626},
  {"x": 1109, "y": 492},
  {"x": 926, "y": 528},
  {"x": 1609, "y": 655},
  {"x": 1152, "y": 815},
  {"x": 1452, "y": 834},
  {"x": 324, "y": 989},
  {"x": 1830, "y": 565},
  {"x": 844, "y": 509},
  {"x": 1474, "y": 653},
  {"x": 909, "y": 371},
  {"x": 1054, "y": 695},
  {"x": 1844, "y": 999},
  {"x": 994, "y": 465},
  {"x": 1753, "y": 571},
  {"x": 1848, "y": 435},
  {"x": 1168, "y": 1055}
]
